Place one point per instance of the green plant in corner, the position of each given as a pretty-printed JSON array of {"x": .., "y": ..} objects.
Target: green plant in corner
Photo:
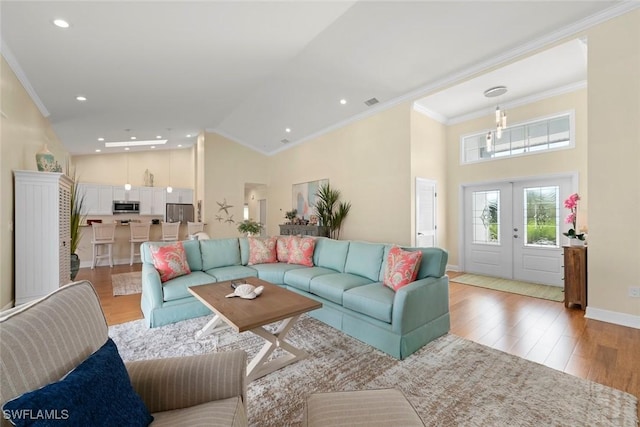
[
  {"x": 331, "y": 212},
  {"x": 77, "y": 217},
  {"x": 250, "y": 227}
]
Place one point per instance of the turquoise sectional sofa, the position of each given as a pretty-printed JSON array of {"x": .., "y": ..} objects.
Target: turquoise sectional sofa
[{"x": 346, "y": 277}]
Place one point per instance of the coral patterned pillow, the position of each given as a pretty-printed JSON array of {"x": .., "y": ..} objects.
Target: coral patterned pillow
[
  {"x": 402, "y": 267},
  {"x": 262, "y": 251},
  {"x": 170, "y": 261},
  {"x": 281, "y": 249},
  {"x": 301, "y": 250}
]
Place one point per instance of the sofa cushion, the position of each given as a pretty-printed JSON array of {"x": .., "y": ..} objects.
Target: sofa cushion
[
  {"x": 301, "y": 250},
  {"x": 364, "y": 259},
  {"x": 231, "y": 272},
  {"x": 281, "y": 248},
  {"x": 402, "y": 267},
  {"x": 331, "y": 253},
  {"x": 262, "y": 251},
  {"x": 433, "y": 264},
  {"x": 178, "y": 288},
  {"x": 373, "y": 300},
  {"x": 170, "y": 260},
  {"x": 97, "y": 392},
  {"x": 301, "y": 277},
  {"x": 244, "y": 250},
  {"x": 219, "y": 253},
  {"x": 191, "y": 247},
  {"x": 274, "y": 273},
  {"x": 332, "y": 286}
]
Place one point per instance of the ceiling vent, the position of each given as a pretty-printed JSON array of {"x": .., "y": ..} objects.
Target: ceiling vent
[
  {"x": 285, "y": 141},
  {"x": 370, "y": 102}
]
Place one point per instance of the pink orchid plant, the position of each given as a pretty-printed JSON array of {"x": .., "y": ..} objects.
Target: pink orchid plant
[{"x": 572, "y": 204}]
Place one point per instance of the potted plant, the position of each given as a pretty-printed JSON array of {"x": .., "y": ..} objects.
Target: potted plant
[
  {"x": 76, "y": 218},
  {"x": 330, "y": 211},
  {"x": 575, "y": 238},
  {"x": 290, "y": 215},
  {"x": 250, "y": 227}
]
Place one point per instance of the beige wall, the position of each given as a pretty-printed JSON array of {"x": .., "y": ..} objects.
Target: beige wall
[
  {"x": 614, "y": 166},
  {"x": 428, "y": 160},
  {"x": 23, "y": 131},
  {"x": 368, "y": 161},
  {"x": 553, "y": 162},
  {"x": 228, "y": 167}
]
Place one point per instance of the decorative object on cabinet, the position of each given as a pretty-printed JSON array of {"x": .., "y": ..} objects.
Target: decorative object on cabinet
[
  {"x": 45, "y": 160},
  {"x": 42, "y": 220},
  {"x": 290, "y": 215},
  {"x": 103, "y": 236},
  {"x": 572, "y": 204},
  {"x": 304, "y": 197},
  {"x": 575, "y": 276},
  {"x": 250, "y": 227},
  {"x": 77, "y": 217},
  {"x": 303, "y": 230},
  {"x": 331, "y": 212}
]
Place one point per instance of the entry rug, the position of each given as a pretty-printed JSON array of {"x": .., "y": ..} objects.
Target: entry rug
[
  {"x": 553, "y": 293},
  {"x": 451, "y": 381},
  {"x": 127, "y": 283}
]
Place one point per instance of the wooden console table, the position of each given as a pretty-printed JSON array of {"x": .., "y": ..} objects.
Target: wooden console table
[
  {"x": 575, "y": 276},
  {"x": 304, "y": 230}
]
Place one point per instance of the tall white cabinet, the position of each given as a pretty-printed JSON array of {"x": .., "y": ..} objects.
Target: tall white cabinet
[{"x": 42, "y": 233}]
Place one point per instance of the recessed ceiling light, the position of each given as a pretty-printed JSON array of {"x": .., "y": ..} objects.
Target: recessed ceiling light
[
  {"x": 81, "y": 98},
  {"x": 343, "y": 101},
  {"x": 153, "y": 146},
  {"x": 98, "y": 150},
  {"x": 60, "y": 23},
  {"x": 100, "y": 139},
  {"x": 287, "y": 130},
  {"x": 179, "y": 145},
  {"x": 133, "y": 138},
  {"x": 158, "y": 137},
  {"x": 127, "y": 148},
  {"x": 189, "y": 135}
]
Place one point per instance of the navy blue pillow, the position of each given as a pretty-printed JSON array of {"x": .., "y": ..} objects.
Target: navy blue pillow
[{"x": 97, "y": 392}]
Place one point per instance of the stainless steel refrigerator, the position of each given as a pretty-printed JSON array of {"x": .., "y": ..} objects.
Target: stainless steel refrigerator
[{"x": 179, "y": 212}]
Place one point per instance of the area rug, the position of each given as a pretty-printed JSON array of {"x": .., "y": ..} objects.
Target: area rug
[
  {"x": 126, "y": 283},
  {"x": 553, "y": 293},
  {"x": 451, "y": 381}
]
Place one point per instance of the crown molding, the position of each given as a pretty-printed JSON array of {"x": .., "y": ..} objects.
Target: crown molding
[
  {"x": 429, "y": 113},
  {"x": 22, "y": 77},
  {"x": 519, "y": 102},
  {"x": 236, "y": 140}
]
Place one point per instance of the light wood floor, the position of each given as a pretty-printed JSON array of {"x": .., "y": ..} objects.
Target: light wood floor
[{"x": 538, "y": 330}]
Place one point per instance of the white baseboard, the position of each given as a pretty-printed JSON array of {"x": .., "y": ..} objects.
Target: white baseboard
[
  {"x": 451, "y": 267},
  {"x": 8, "y": 306},
  {"x": 623, "y": 319},
  {"x": 123, "y": 261}
]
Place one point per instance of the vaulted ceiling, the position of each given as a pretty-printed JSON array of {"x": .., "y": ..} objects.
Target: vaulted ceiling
[{"x": 252, "y": 70}]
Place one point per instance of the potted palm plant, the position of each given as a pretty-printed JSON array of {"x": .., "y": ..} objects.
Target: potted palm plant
[
  {"x": 250, "y": 227},
  {"x": 330, "y": 211},
  {"x": 76, "y": 218}
]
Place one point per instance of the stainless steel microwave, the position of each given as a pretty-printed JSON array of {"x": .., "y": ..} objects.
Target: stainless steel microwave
[{"x": 122, "y": 206}]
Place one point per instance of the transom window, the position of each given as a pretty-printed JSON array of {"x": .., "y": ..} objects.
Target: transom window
[{"x": 551, "y": 133}]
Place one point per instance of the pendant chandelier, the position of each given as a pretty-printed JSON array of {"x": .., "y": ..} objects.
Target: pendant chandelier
[{"x": 501, "y": 115}]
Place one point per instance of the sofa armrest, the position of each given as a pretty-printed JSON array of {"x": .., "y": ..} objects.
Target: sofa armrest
[
  {"x": 181, "y": 382},
  {"x": 151, "y": 285},
  {"x": 419, "y": 303}
]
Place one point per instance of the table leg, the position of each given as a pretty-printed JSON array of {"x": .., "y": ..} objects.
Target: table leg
[
  {"x": 213, "y": 325},
  {"x": 259, "y": 366}
]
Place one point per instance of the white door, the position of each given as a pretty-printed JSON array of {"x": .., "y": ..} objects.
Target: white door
[
  {"x": 425, "y": 213},
  {"x": 262, "y": 214},
  {"x": 514, "y": 230}
]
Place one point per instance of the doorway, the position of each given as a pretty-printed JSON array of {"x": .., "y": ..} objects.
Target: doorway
[
  {"x": 513, "y": 229},
  {"x": 425, "y": 213}
]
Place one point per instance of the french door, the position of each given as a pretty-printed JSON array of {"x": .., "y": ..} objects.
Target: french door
[{"x": 513, "y": 230}]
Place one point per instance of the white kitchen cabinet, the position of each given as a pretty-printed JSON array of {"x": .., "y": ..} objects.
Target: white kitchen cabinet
[
  {"x": 98, "y": 198},
  {"x": 120, "y": 194},
  {"x": 152, "y": 201},
  {"x": 180, "y": 195},
  {"x": 42, "y": 233}
]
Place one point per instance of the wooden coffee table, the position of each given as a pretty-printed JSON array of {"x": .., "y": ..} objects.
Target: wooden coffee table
[{"x": 274, "y": 304}]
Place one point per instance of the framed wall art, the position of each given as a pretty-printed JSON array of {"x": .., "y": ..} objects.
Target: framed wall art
[{"x": 304, "y": 196}]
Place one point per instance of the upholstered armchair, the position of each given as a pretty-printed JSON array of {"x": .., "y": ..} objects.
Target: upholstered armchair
[{"x": 43, "y": 341}]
